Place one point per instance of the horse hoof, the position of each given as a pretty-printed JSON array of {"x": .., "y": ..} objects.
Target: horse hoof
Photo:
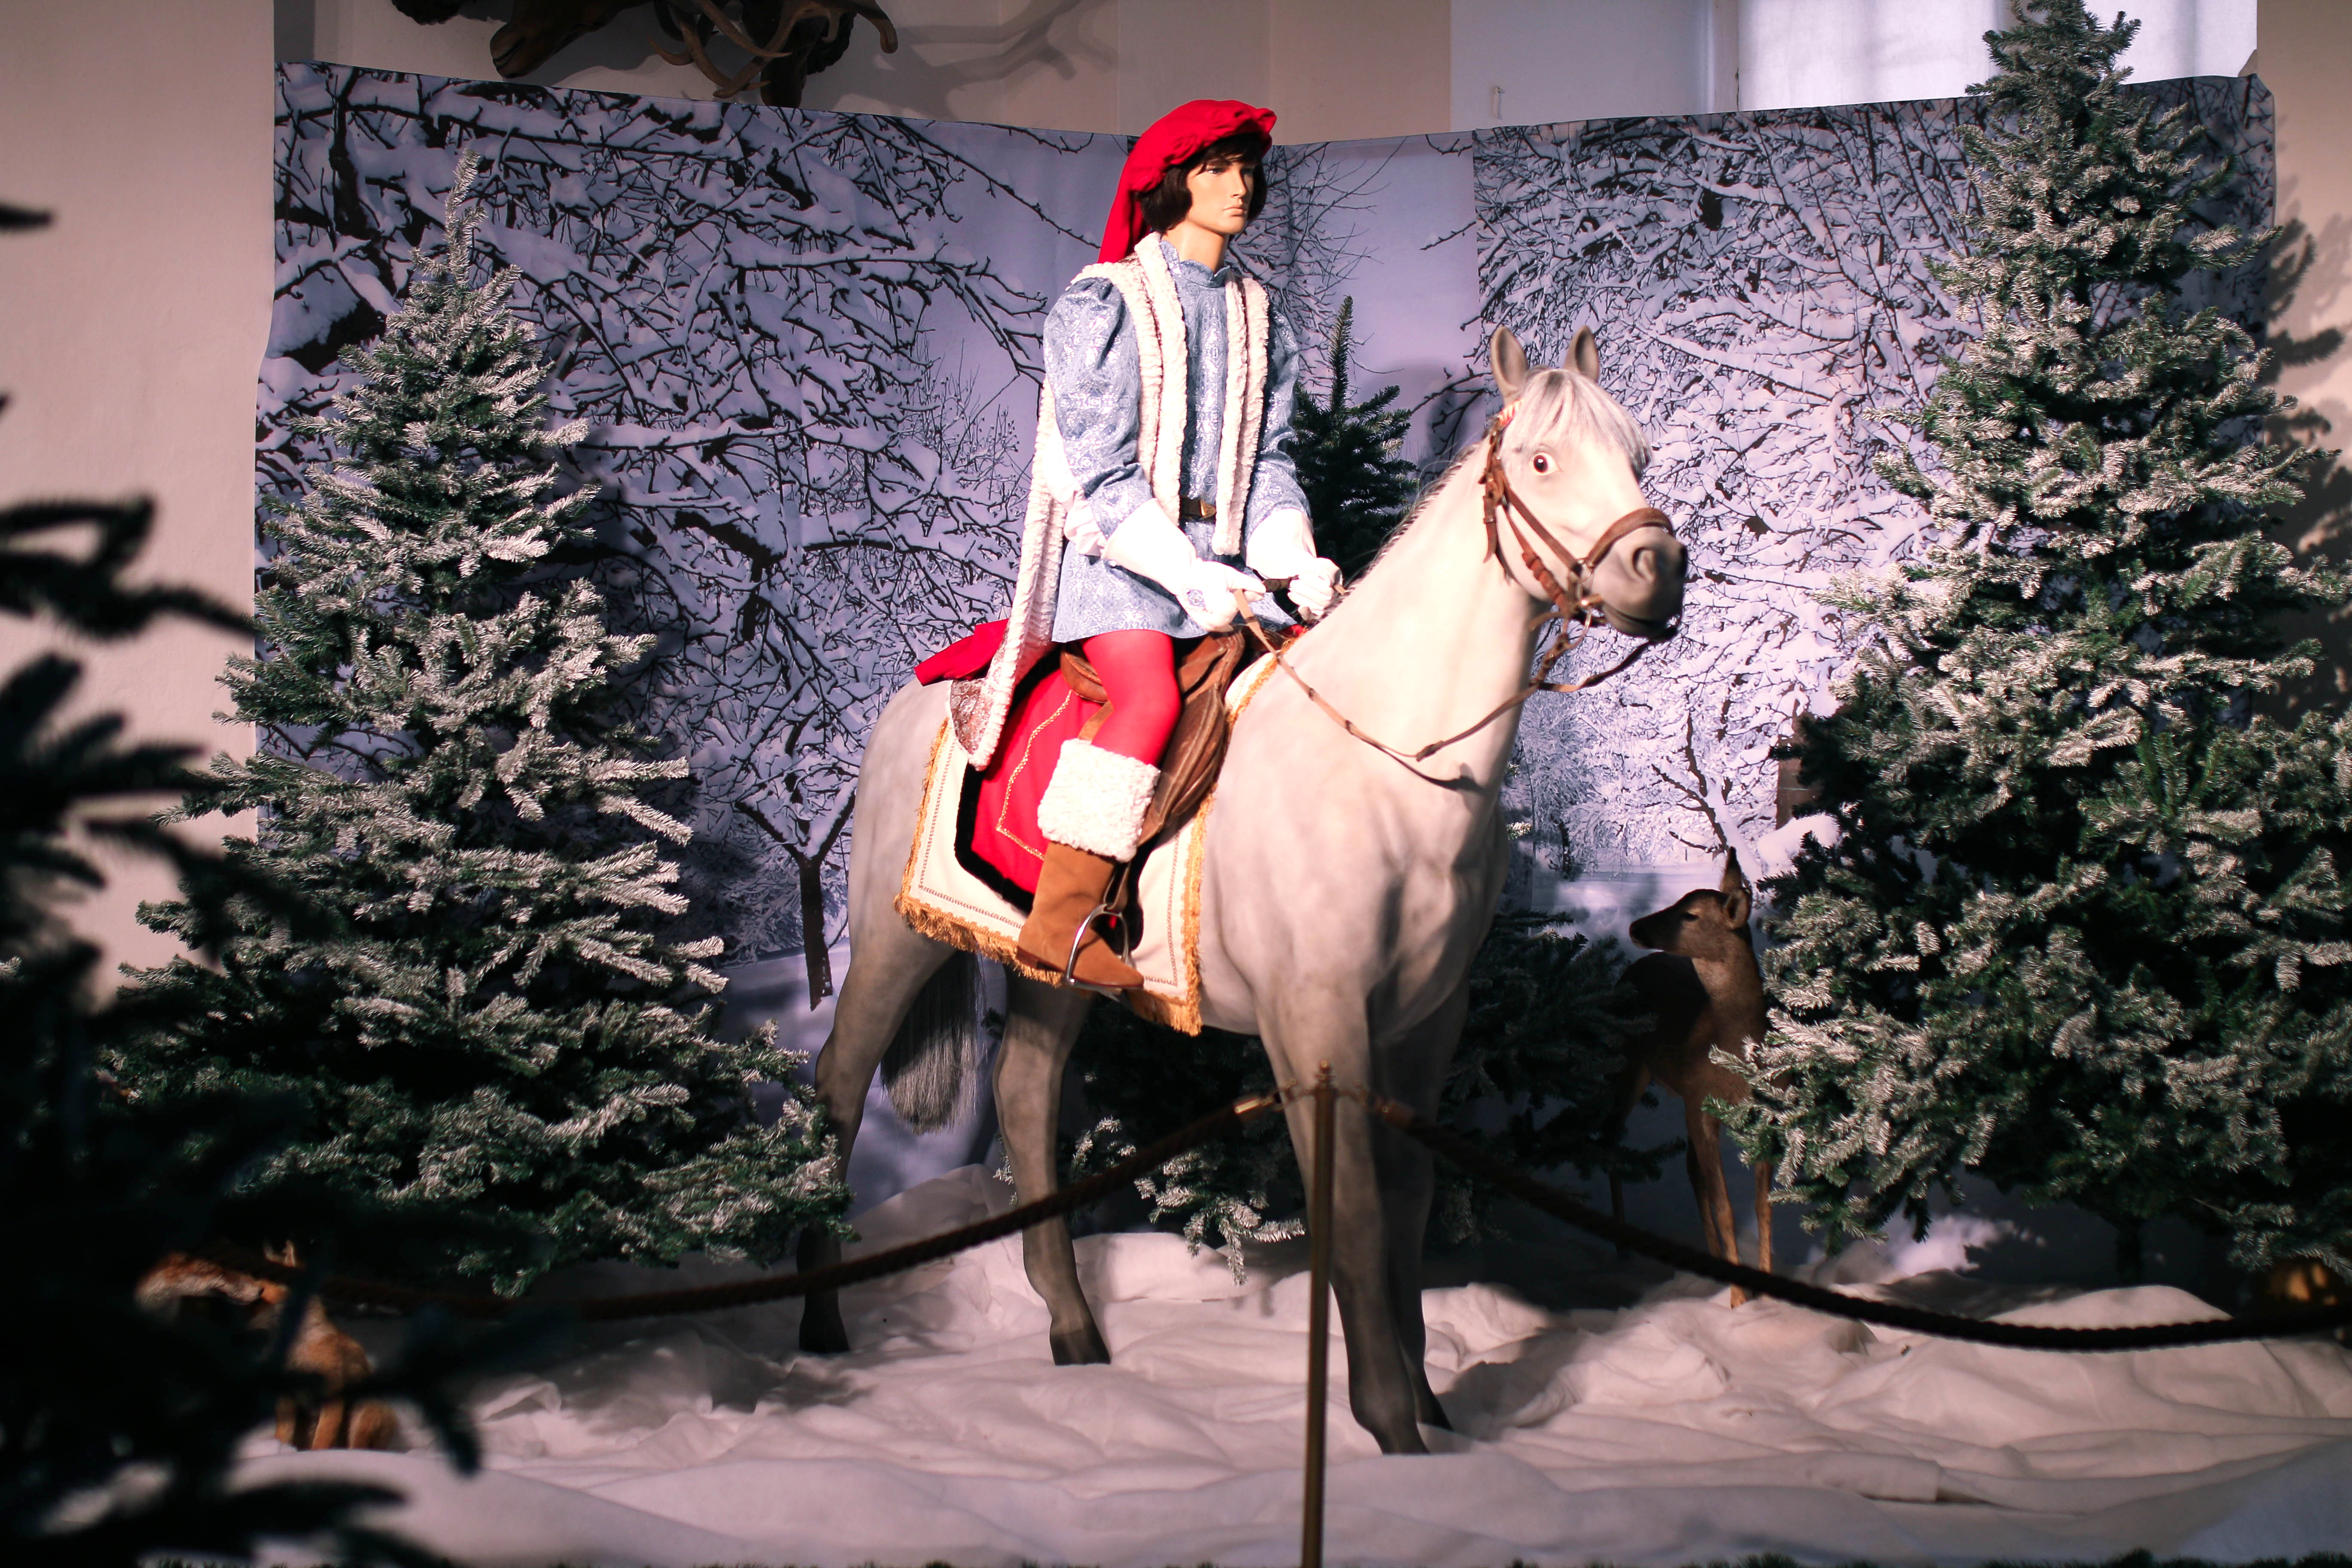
[
  {"x": 822, "y": 1333},
  {"x": 1083, "y": 1347}
]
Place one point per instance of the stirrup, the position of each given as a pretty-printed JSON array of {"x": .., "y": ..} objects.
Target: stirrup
[{"x": 1070, "y": 966}]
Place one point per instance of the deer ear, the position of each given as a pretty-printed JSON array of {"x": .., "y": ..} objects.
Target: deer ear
[
  {"x": 1584, "y": 355},
  {"x": 1510, "y": 363},
  {"x": 1737, "y": 898}
]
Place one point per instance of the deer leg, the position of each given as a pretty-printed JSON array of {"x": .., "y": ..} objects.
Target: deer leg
[
  {"x": 1705, "y": 1135},
  {"x": 888, "y": 965},
  {"x": 1041, "y": 1025},
  {"x": 1413, "y": 1070},
  {"x": 1764, "y": 1216}
]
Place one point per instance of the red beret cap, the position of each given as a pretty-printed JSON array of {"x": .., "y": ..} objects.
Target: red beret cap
[{"x": 1169, "y": 144}]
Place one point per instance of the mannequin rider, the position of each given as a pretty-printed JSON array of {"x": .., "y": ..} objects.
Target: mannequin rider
[{"x": 1136, "y": 573}]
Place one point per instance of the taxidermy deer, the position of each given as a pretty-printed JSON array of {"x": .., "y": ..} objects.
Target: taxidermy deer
[
  {"x": 328, "y": 1420},
  {"x": 1702, "y": 984}
]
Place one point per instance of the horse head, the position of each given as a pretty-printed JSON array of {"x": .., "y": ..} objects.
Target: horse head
[{"x": 1571, "y": 459}]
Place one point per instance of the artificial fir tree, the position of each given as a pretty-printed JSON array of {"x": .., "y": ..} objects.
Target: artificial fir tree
[
  {"x": 2083, "y": 931},
  {"x": 500, "y": 1050},
  {"x": 1357, "y": 486}
]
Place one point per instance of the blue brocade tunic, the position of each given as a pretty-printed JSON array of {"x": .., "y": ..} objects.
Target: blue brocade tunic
[{"x": 1097, "y": 375}]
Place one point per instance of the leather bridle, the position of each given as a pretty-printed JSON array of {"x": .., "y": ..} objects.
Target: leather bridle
[
  {"x": 1576, "y": 612},
  {"x": 1502, "y": 505}
]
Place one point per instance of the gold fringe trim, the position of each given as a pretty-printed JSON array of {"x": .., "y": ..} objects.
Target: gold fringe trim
[
  {"x": 1182, "y": 1013},
  {"x": 928, "y": 920}
]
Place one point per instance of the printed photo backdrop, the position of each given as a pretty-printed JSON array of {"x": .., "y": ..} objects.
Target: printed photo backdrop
[{"x": 806, "y": 346}]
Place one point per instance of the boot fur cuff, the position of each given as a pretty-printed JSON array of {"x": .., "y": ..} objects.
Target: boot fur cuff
[{"x": 1097, "y": 801}]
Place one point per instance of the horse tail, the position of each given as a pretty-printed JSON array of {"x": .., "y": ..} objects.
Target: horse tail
[{"x": 932, "y": 1068}]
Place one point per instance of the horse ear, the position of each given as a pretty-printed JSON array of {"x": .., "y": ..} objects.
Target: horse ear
[
  {"x": 1737, "y": 898},
  {"x": 1584, "y": 355},
  {"x": 1510, "y": 363}
]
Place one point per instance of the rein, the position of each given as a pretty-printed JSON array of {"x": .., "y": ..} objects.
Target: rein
[{"x": 1574, "y": 613}]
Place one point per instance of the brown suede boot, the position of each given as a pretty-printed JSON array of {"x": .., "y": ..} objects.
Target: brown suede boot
[
  {"x": 1069, "y": 886},
  {"x": 1092, "y": 816}
]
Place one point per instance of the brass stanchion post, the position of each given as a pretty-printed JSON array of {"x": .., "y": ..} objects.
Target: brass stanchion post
[{"x": 1318, "y": 1318}]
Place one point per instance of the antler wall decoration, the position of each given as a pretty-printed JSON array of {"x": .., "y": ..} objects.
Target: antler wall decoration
[{"x": 801, "y": 36}]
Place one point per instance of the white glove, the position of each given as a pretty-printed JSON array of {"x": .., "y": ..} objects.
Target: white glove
[
  {"x": 1282, "y": 546},
  {"x": 1150, "y": 544}
]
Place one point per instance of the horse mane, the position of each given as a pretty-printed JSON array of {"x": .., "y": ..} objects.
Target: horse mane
[{"x": 1555, "y": 403}]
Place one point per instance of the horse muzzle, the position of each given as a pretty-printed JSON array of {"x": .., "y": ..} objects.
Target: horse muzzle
[{"x": 1639, "y": 582}]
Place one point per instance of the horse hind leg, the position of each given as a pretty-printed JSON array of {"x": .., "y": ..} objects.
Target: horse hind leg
[
  {"x": 1042, "y": 1023},
  {"x": 889, "y": 966}
]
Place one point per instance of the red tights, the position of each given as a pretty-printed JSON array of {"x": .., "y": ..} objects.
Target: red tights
[{"x": 1139, "y": 675}]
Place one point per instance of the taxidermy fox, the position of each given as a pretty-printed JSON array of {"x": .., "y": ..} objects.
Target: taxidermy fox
[{"x": 326, "y": 1420}]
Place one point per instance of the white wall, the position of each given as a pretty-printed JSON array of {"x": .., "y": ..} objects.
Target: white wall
[
  {"x": 1333, "y": 70},
  {"x": 133, "y": 327},
  {"x": 1794, "y": 53},
  {"x": 1171, "y": 53},
  {"x": 1531, "y": 62}
]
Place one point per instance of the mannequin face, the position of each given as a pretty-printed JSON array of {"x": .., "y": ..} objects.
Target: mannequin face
[
  {"x": 1220, "y": 193},
  {"x": 1220, "y": 188}
]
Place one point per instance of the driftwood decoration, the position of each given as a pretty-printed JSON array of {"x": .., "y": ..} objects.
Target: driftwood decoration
[{"x": 785, "y": 41}]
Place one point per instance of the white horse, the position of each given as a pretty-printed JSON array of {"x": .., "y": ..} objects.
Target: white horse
[{"x": 1343, "y": 892}]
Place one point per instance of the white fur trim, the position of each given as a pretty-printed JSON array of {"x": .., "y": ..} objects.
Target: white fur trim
[
  {"x": 1164, "y": 315},
  {"x": 1097, "y": 801},
  {"x": 1229, "y": 496},
  {"x": 1057, "y": 518},
  {"x": 980, "y": 707},
  {"x": 1246, "y": 329}
]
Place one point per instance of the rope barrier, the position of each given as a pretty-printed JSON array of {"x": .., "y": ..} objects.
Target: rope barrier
[
  {"x": 1916, "y": 1320},
  {"x": 1465, "y": 1154},
  {"x": 752, "y": 1292}
]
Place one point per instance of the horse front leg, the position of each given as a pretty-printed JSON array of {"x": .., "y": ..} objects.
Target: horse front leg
[
  {"x": 1413, "y": 1070},
  {"x": 887, "y": 966},
  {"x": 1041, "y": 1025},
  {"x": 1380, "y": 1393}
]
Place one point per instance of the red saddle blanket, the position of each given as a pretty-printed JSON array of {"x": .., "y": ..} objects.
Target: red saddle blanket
[{"x": 997, "y": 823}]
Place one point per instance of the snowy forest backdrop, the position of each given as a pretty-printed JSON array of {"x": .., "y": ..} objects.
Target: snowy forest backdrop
[{"x": 806, "y": 346}]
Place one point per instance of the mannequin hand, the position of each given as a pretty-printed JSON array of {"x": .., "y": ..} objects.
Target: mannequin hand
[
  {"x": 1313, "y": 585},
  {"x": 1208, "y": 595},
  {"x": 1150, "y": 544},
  {"x": 1282, "y": 547}
]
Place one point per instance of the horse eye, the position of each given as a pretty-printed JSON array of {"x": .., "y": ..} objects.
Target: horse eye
[{"x": 1541, "y": 463}]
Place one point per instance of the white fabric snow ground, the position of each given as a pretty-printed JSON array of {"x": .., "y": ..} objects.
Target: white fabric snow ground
[{"x": 1677, "y": 1431}]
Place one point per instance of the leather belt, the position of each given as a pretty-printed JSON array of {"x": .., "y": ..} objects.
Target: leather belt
[{"x": 1193, "y": 508}]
